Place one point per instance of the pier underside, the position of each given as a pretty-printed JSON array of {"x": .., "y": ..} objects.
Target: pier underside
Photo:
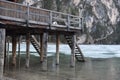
[{"x": 16, "y": 22}]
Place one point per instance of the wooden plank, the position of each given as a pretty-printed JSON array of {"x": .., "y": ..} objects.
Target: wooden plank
[
  {"x": 14, "y": 44},
  {"x": 72, "y": 59},
  {"x": 45, "y": 41},
  {"x": 57, "y": 48},
  {"x": 27, "y": 49},
  {"x": 12, "y": 19},
  {"x": 2, "y": 45}
]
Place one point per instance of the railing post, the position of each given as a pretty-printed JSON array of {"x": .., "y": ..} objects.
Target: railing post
[
  {"x": 80, "y": 22},
  {"x": 68, "y": 22},
  {"x": 28, "y": 13},
  {"x": 50, "y": 22},
  {"x": 2, "y": 52},
  {"x": 82, "y": 27}
]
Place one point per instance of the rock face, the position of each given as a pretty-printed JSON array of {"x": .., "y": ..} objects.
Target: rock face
[{"x": 101, "y": 18}]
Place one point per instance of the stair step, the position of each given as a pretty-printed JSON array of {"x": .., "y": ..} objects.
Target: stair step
[
  {"x": 78, "y": 54},
  {"x": 35, "y": 44}
]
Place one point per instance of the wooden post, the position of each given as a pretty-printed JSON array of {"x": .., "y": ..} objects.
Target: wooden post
[
  {"x": 41, "y": 48},
  {"x": 8, "y": 41},
  {"x": 14, "y": 42},
  {"x": 27, "y": 49},
  {"x": 50, "y": 24},
  {"x": 19, "y": 41},
  {"x": 68, "y": 22},
  {"x": 5, "y": 56},
  {"x": 57, "y": 48},
  {"x": 28, "y": 14},
  {"x": 2, "y": 45},
  {"x": 72, "y": 60},
  {"x": 45, "y": 41}
]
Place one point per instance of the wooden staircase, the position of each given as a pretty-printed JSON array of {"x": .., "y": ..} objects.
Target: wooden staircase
[
  {"x": 78, "y": 54},
  {"x": 35, "y": 43}
]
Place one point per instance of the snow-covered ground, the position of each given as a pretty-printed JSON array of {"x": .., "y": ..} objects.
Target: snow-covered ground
[{"x": 94, "y": 51}]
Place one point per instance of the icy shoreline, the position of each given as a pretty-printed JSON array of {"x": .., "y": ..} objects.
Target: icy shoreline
[{"x": 93, "y": 51}]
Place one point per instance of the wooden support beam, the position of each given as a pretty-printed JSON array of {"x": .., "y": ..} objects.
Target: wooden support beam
[
  {"x": 14, "y": 43},
  {"x": 41, "y": 48},
  {"x": 19, "y": 41},
  {"x": 27, "y": 49},
  {"x": 5, "y": 55},
  {"x": 57, "y": 48},
  {"x": 7, "y": 50},
  {"x": 2, "y": 46},
  {"x": 72, "y": 59},
  {"x": 45, "y": 41}
]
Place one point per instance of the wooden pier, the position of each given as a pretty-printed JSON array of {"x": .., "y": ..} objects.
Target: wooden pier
[{"x": 17, "y": 20}]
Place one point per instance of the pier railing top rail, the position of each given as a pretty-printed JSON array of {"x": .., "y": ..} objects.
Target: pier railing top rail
[{"x": 31, "y": 15}]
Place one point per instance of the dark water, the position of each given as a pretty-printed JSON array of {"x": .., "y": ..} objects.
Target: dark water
[{"x": 92, "y": 69}]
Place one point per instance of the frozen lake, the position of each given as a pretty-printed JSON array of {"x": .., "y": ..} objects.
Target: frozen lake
[{"x": 93, "y": 51}]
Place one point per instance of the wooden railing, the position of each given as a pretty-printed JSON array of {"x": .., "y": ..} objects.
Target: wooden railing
[{"x": 31, "y": 15}]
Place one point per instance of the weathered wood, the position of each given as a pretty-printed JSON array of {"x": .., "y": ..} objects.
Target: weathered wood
[
  {"x": 30, "y": 15},
  {"x": 72, "y": 59},
  {"x": 57, "y": 48},
  {"x": 19, "y": 41},
  {"x": 45, "y": 41},
  {"x": 41, "y": 48},
  {"x": 8, "y": 56},
  {"x": 68, "y": 22},
  {"x": 2, "y": 45},
  {"x": 5, "y": 55},
  {"x": 14, "y": 44},
  {"x": 51, "y": 18},
  {"x": 27, "y": 49},
  {"x": 35, "y": 43}
]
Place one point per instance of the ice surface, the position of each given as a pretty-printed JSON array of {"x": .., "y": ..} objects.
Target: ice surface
[{"x": 93, "y": 51}]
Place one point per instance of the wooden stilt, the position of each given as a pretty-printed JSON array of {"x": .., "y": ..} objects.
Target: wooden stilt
[
  {"x": 19, "y": 41},
  {"x": 72, "y": 60},
  {"x": 2, "y": 45},
  {"x": 45, "y": 41},
  {"x": 5, "y": 55},
  {"x": 27, "y": 49},
  {"x": 57, "y": 48},
  {"x": 8, "y": 41},
  {"x": 41, "y": 48},
  {"x": 14, "y": 43}
]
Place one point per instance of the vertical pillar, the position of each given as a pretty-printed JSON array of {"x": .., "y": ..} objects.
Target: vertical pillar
[
  {"x": 27, "y": 49},
  {"x": 45, "y": 41},
  {"x": 2, "y": 45},
  {"x": 57, "y": 48},
  {"x": 8, "y": 41},
  {"x": 5, "y": 55},
  {"x": 41, "y": 48},
  {"x": 14, "y": 43},
  {"x": 19, "y": 41},
  {"x": 72, "y": 59}
]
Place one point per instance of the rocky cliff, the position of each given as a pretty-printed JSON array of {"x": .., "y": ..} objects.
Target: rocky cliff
[{"x": 101, "y": 19}]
